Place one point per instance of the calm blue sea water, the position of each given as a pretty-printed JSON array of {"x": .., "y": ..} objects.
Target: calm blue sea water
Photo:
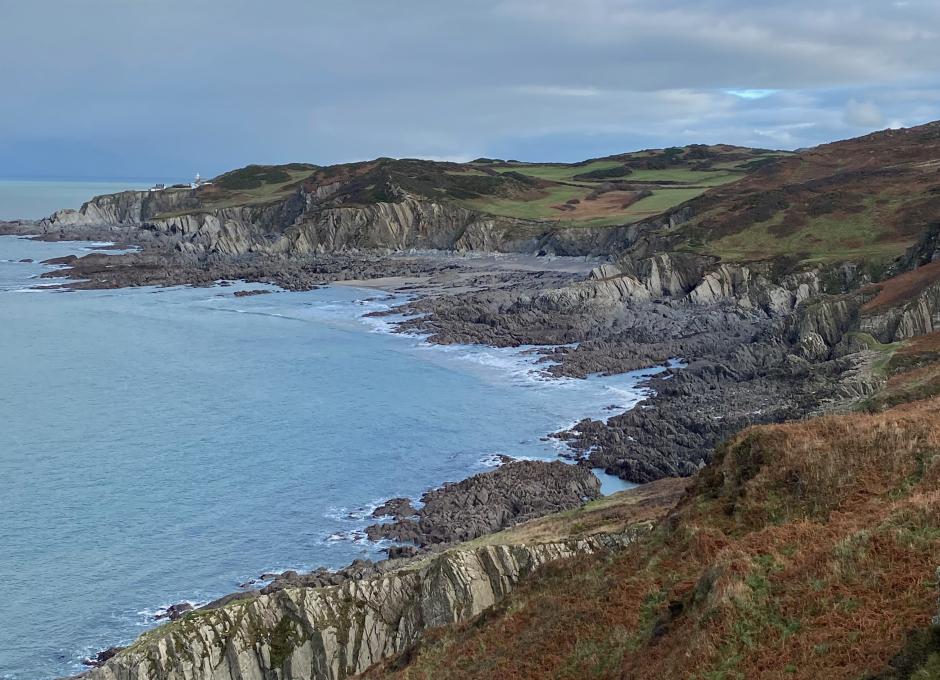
[
  {"x": 159, "y": 445},
  {"x": 32, "y": 200}
]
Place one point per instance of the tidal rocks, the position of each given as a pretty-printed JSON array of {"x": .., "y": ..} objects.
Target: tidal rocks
[
  {"x": 64, "y": 260},
  {"x": 397, "y": 552},
  {"x": 488, "y": 502},
  {"x": 250, "y": 293},
  {"x": 397, "y": 508},
  {"x": 102, "y": 657},
  {"x": 175, "y": 611}
]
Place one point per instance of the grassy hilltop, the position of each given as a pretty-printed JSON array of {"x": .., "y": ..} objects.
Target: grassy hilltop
[
  {"x": 609, "y": 191},
  {"x": 861, "y": 200}
]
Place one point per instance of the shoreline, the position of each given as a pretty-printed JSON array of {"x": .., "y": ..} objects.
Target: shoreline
[
  {"x": 582, "y": 324},
  {"x": 389, "y": 286}
]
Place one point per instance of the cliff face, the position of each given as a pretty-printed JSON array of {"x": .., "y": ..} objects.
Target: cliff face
[
  {"x": 122, "y": 209},
  {"x": 701, "y": 281},
  {"x": 332, "y": 633},
  {"x": 307, "y": 222},
  {"x": 917, "y": 316},
  {"x": 408, "y": 224}
]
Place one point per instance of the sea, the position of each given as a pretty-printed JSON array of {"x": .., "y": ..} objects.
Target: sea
[
  {"x": 35, "y": 199},
  {"x": 161, "y": 445}
]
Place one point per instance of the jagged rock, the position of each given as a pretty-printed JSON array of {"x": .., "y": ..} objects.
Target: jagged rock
[
  {"x": 396, "y": 552},
  {"x": 490, "y": 501},
  {"x": 176, "y": 611},
  {"x": 397, "y": 508},
  {"x": 605, "y": 271},
  {"x": 102, "y": 657},
  {"x": 334, "y": 632},
  {"x": 250, "y": 293}
]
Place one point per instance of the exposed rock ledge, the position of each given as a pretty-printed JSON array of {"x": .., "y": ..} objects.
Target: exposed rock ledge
[
  {"x": 332, "y": 633},
  {"x": 485, "y": 503}
]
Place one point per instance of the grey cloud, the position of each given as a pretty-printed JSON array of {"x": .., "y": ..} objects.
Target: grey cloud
[
  {"x": 863, "y": 114},
  {"x": 152, "y": 87}
]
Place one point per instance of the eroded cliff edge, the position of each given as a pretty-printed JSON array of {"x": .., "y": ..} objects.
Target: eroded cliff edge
[{"x": 336, "y": 632}]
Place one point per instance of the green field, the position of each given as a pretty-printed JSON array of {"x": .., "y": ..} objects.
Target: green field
[
  {"x": 266, "y": 192},
  {"x": 823, "y": 239},
  {"x": 662, "y": 200},
  {"x": 535, "y": 209},
  {"x": 558, "y": 173},
  {"x": 709, "y": 178},
  {"x": 542, "y": 208},
  {"x": 671, "y": 187}
]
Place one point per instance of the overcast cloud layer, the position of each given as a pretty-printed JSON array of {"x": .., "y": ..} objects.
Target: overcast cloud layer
[{"x": 165, "y": 88}]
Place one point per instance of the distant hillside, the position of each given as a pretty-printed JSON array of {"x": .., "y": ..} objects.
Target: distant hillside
[
  {"x": 615, "y": 190},
  {"x": 862, "y": 201},
  {"x": 865, "y": 199}
]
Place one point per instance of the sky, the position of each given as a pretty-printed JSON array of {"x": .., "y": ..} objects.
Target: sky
[{"x": 121, "y": 89}]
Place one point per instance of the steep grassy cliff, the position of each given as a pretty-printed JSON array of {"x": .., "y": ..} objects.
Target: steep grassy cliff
[{"x": 804, "y": 550}]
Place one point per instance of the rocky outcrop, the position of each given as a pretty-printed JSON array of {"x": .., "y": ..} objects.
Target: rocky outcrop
[
  {"x": 513, "y": 493},
  {"x": 408, "y": 224},
  {"x": 917, "y": 316},
  {"x": 333, "y": 633},
  {"x": 755, "y": 289},
  {"x": 704, "y": 281},
  {"x": 819, "y": 326}
]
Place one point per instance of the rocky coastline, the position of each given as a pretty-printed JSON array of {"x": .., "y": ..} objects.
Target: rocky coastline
[
  {"x": 513, "y": 493},
  {"x": 752, "y": 352}
]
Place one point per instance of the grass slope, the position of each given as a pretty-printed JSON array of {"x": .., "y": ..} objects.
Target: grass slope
[
  {"x": 572, "y": 194},
  {"x": 804, "y": 550},
  {"x": 602, "y": 192},
  {"x": 862, "y": 200}
]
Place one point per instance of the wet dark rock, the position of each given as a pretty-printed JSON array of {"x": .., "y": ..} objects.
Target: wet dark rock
[
  {"x": 176, "y": 611},
  {"x": 102, "y": 657},
  {"x": 491, "y": 501},
  {"x": 64, "y": 260},
  {"x": 231, "y": 597},
  {"x": 397, "y": 508},
  {"x": 250, "y": 293},
  {"x": 397, "y": 552}
]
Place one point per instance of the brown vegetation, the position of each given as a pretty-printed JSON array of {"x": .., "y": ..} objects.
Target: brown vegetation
[
  {"x": 805, "y": 550},
  {"x": 903, "y": 287},
  {"x": 867, "y": 198}
]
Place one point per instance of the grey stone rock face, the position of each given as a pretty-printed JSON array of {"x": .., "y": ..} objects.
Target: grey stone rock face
[{"x": 332, "y": 633}]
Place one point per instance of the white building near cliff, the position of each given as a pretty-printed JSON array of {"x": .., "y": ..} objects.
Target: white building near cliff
[{"x": 198, "y": 182}]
